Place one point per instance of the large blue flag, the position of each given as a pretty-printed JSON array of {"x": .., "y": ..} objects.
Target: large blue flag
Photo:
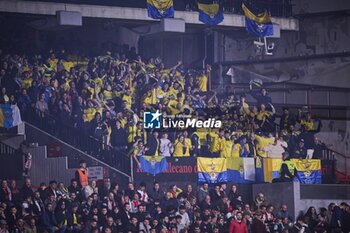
[
  {"x": 259, "y": 25},
  {"x": 9, "y": 116},
  {"x": 159, "y": 9},
  {"x": 210, "y": 14},
  {"x": 308, "y": 171},
  {"x": 153, "y": 164}
]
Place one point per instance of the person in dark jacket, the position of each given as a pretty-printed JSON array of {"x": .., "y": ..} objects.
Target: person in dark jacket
[
  {"x": 287, "y": 119},
  {"x": 119, "y": 141},
  {"x": 257, "y": 225},
  {"x": 300, "y": 226},
  {"x": 61, "y": 215},
  {"x": 300, "y": 151},
  {"x": 26, "y": 189},
  {"x": 336, "y": 218},
  {"x": 156, "y": 193},
  {"x": 262, "y": 97},
  {"x": 74, "y": 220},
  {"x": 153, "y": 144},
  {"x": 48, "y": 219}
]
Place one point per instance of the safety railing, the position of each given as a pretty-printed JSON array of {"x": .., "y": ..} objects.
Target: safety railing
[
  {"x": 340, "y": 164},
  {"x": 72, "y": 135},
  {"x": 6, "y": 149}
]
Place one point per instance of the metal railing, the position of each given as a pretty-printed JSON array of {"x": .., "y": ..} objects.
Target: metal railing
[
  {"x": 73, "y": 136},
  {"x": 6, "y": 149},
  {"x": 340, "y": 169}
]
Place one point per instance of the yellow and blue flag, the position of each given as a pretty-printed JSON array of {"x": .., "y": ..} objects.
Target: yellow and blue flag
[
  {"x": 9, "y": 116},
  {"x": 212, "y": 170},
  {"x": 308, "y": 171},
  {"x": 267, "y": 169},
  {"x": 240, "y": 170},
  {"x": 259, "y": 25},
  {"x": 153, "y": 164},
  {"x": 159, "y": 9},
  {"x": 210, "y": 14}
]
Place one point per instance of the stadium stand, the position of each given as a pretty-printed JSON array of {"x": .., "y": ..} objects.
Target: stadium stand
[
  {"x": 95, "y": 103},
  {"x": 103, "y": 98}
]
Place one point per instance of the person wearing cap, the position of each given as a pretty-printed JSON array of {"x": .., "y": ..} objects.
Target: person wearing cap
[
  {"x": 300, "y": 151},
  {"x": 82, "y": 175}
]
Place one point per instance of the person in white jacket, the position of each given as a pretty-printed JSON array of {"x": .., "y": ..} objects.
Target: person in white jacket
[
  {"x": 185, "y": 220},
  {"x": 166, "y": 147},
  {"x": 276, "y": 150}
]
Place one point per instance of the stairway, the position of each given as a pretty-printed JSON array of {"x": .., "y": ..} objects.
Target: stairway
[{"x": 60, "y": 164}]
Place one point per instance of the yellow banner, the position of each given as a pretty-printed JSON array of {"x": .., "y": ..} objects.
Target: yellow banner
[
  {"x": 211, "y": 165},
  {"x": 307, "y": 164},
  {"x": 260, "y": 19},
  {"x": 209, "y": 9},
  {"x": 234, "y": 163}
]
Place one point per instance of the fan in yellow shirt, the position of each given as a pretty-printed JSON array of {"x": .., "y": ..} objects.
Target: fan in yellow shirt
[
  {"x": 108, "y": 93},
  {"x": 175, "y": 106},
  {"x": 90, "y": 111},
  {"x": 306, "y": 123},
  {"x": 217, "y": 142},
  {"x": 127, "y": 99},
  {"x": 261, "y": 143},
  {"x": 203, "y": 79},
  {"x": 202, "y": 82},
  {"x": 181, "y": 148}
]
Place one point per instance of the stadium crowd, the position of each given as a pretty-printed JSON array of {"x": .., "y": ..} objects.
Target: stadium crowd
[
  {"x": 105, "y": 97},
  {"x": 111, "y": 208}
]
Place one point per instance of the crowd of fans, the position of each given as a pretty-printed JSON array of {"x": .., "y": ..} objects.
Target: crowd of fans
[
  {"x": 105, "y": 97},
  {"x": 111, "y": 208}
]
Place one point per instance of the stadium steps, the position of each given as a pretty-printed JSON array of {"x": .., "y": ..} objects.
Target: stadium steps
[{"x": 61, "y": 164}]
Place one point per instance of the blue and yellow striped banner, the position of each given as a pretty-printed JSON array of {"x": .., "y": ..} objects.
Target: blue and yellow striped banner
[
  {"x": 259, "y": 25},
  {"x": 159, "y": 9},
  {"x": 308, "y": 171},
  {"x": 212, "y": 170},
  {"x": 210, "y": 14}
]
